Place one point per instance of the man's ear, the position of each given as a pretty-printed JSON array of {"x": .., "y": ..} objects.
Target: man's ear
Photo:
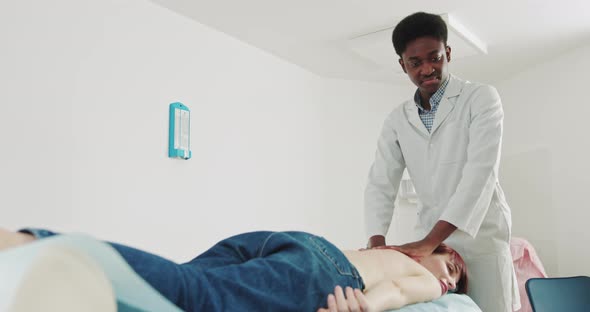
[
  {"x": 448, "y": 52},
  {"x": 401, "y": 63}
]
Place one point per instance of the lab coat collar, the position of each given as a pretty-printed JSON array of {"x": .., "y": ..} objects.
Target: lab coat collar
[
  {"x": 445, "y": 106},
  {"x": 454, "y": 87},
  {"x": 411, "y": 111},
  {"x": 447, "y": 103}
]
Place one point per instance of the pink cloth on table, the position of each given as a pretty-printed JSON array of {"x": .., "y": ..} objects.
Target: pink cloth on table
[{"x": 526, "y": 265}]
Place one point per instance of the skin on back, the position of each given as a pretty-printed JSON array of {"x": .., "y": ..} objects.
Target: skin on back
[{"x": 392, "y": 279}]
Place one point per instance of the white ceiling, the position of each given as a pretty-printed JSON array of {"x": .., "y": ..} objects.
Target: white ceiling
[{"x": 316, "y": 34}]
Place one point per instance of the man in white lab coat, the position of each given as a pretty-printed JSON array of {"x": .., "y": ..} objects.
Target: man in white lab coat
[{"x": 448, "y": 136}]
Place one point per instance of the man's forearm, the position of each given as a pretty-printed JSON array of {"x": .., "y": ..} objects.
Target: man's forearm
[{"x": 441, "y": 231}]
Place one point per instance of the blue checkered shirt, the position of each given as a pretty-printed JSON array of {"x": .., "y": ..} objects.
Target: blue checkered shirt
[{"x": 427, "y": 116}]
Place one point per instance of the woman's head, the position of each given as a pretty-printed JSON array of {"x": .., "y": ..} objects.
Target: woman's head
[{"x": 447, "y": 266}]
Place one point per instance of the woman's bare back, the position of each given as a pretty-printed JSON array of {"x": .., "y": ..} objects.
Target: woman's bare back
[{"x": 377, "y": 265}]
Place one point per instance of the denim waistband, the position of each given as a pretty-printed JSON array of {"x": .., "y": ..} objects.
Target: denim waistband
[
  {"x": 359, "y": 278},
  {"x": 337, "y": 257}
]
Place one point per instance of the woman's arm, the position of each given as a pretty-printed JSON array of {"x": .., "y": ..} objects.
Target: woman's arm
[
  {"x": 385, "y": 295},
  {"x": 403, "y": 291}
]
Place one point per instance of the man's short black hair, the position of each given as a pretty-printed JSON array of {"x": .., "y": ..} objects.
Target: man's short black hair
[{"x": 418, "y": 25}]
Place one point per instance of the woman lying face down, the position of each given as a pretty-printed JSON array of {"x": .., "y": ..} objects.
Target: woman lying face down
[
  {"x": 394, "y": 280},
  {"x": 288, "y": 271}
]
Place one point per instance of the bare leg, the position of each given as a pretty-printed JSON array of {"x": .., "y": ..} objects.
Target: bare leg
[{"x": 10, "y": 239}]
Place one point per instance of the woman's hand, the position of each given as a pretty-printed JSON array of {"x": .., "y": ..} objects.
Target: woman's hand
[{"x": 353, "y": 301}]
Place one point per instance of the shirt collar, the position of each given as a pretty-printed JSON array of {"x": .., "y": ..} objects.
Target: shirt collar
[{"x": 435, "y": 98}]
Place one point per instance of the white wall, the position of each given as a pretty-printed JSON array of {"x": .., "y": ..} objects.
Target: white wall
[
  {"x": 84, "y": 128},
  {"x": 84, "y": 122},
  {"x": 354, "y": 114},
  {"x": 545, "y": 169}
]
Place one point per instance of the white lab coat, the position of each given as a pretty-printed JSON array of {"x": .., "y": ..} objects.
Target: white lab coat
[{"x": 454, "y": 169}]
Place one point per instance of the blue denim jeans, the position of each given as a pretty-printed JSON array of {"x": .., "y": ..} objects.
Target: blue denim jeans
[{"x": 257, "y": 271}]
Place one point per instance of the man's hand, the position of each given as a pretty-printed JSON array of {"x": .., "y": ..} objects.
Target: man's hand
[
  {"x": 424, "y": 247},
  {"x": 417, "y": 249},
  {"x": 376, "y": 240},
  {"x": 353, "y": 301},
  {"x": 397, "y": 248}
]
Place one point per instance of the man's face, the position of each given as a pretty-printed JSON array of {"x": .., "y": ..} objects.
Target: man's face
[{"x": 425, "y": 60}]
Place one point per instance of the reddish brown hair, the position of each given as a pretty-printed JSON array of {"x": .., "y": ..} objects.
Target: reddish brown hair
[{"x": 458, "y": 260}]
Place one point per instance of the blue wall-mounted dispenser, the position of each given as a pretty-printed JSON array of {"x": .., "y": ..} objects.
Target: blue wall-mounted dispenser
[{"x": 179, "y": 143}]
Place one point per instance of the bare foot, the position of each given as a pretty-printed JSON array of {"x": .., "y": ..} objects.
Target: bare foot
[{"x": 10, "y": 239}]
